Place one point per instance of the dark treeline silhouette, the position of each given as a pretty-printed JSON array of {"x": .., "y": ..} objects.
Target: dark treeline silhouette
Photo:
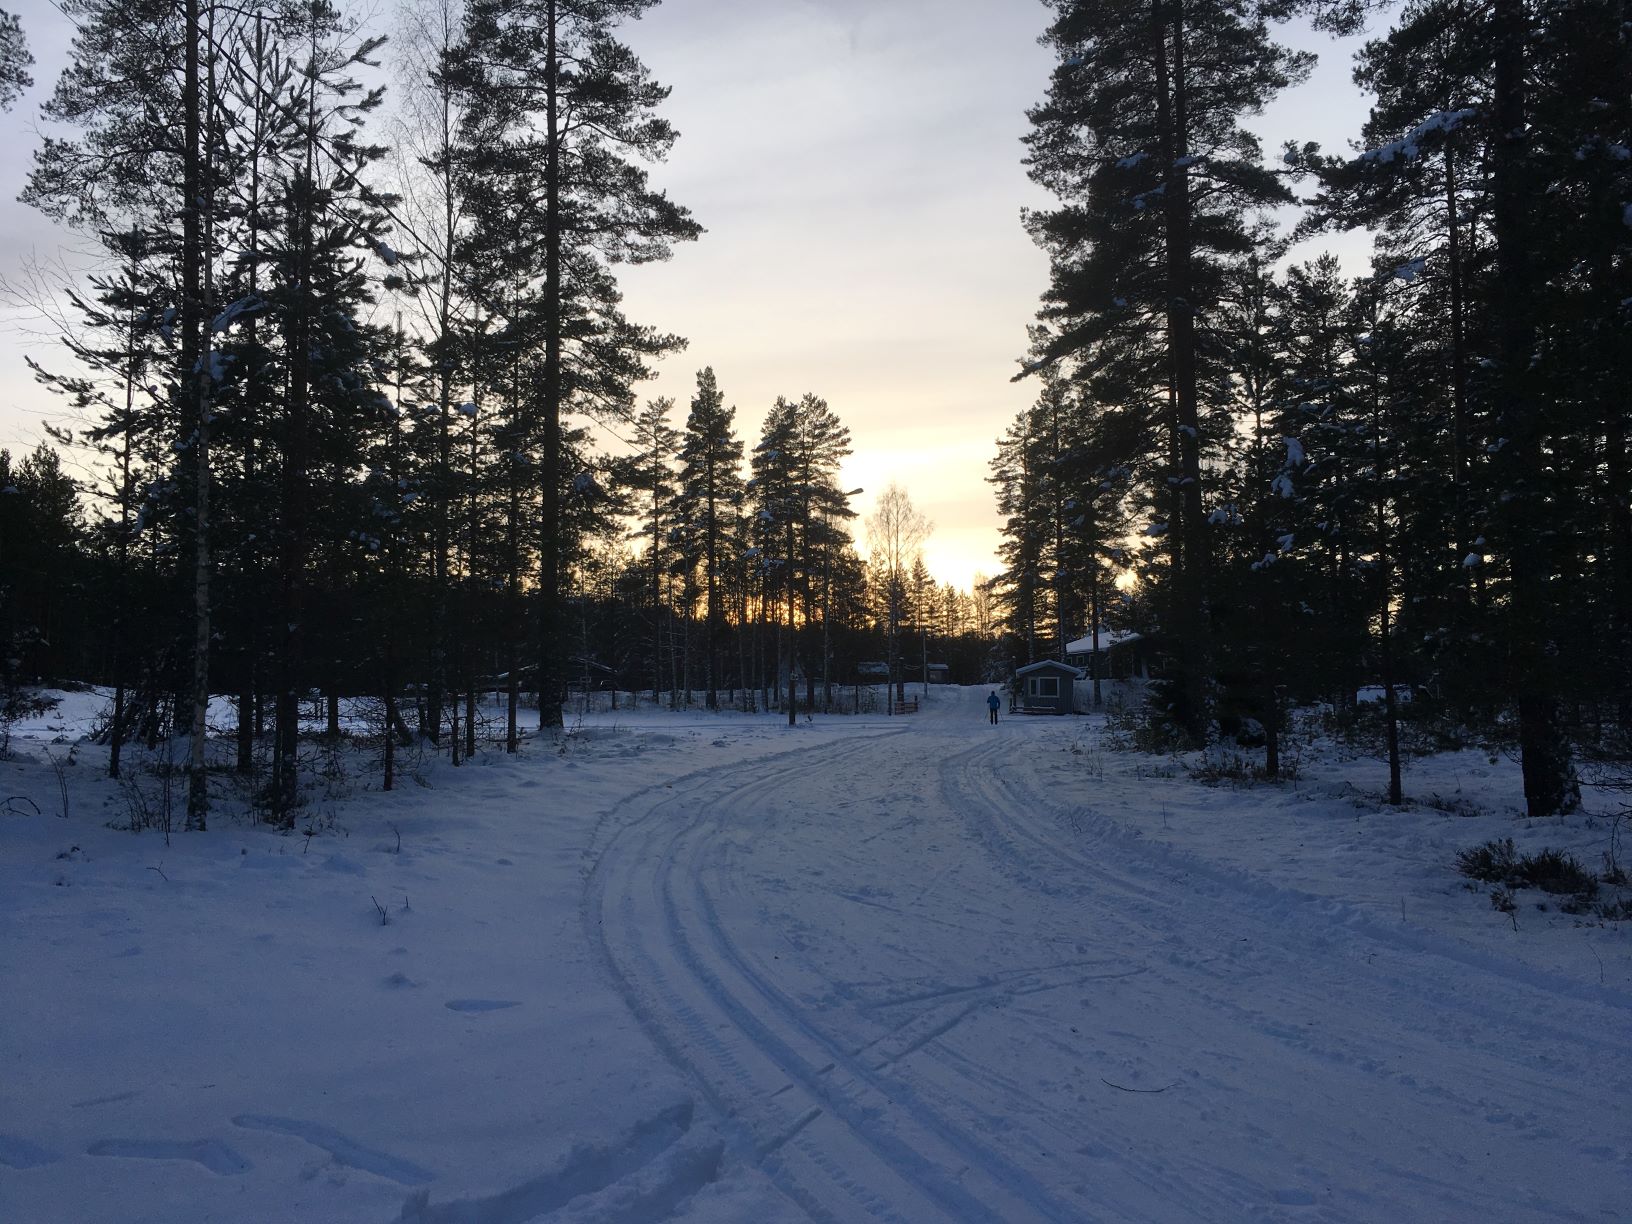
[
  {"x": 1416, "y": 478},
  {"x": 337, "y": 377}
]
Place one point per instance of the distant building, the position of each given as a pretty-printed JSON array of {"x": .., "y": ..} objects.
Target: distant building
[
  {"x": 1046, "y": 687},
  {"x": 1112, "y": 654},
  {"x": 876, "y": 671}
]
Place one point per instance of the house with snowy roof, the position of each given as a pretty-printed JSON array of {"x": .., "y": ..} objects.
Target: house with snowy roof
[{"x": 1111, "y": 654}]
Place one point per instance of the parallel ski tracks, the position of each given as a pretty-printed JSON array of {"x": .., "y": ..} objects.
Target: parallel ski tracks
[
  {"x": 834, "y": 1130},
  {"x": 1026, "y": 828},
  {"x": 854, "y": 1130}
]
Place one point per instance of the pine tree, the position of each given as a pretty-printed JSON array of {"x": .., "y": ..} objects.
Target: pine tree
[
  {"x": 141, "y": 89},
  {"x": 1141, "y": 140},
  {"x": 118, "y": 349},
  {"x": 15, "y": 60},
  {"x": 1480, "y": 170},
  {"x": 564, "y": 111},
  {"x": 795, "y": 468},
  {"x": 325, "y": 226},
  {"x": 650, "y": 474},
  {"x": 711, "y": 486}
]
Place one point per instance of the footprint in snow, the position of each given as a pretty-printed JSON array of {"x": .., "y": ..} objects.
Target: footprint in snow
[
  {"x": 480, "y": 1005},
  {"x": 1294, "y": 1198},
  {"x": 111, "y": 1099},
  {"x": 345, "y": 1150},
  {"x": 214, "y": 1155},
  {"x": 22, "y": 1154},
  {"x": 659, "y": 1158}
]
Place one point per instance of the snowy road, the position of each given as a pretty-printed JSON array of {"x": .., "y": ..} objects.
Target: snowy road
[
  {"x": 912, "y": 981},
  {"x": 699, "y": 967}
]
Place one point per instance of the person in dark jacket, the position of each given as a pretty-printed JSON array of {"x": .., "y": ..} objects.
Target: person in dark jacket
[{"x": 991, "y": 705}]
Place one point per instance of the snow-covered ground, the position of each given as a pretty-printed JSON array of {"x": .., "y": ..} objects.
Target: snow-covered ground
[{"x": 712, "y": 968}]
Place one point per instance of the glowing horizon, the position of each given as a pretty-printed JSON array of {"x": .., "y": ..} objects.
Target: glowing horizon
[{"x": 857, "y": 164}]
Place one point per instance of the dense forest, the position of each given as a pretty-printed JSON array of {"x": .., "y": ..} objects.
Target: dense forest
[
  {"x": 1414, "y": 479},
  {"x": 343, "y": 368},
  {"x": 339, "y": 375}
]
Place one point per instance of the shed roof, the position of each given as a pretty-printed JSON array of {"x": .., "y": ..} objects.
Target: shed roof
[
  {"x": 1053, "y": 665},
  {"x": 1109, "y": 639}
]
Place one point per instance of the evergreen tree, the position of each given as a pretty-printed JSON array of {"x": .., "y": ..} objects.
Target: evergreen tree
[
  {"x": 795, "y": 488},
  {"x": 1019, "y": 587},
  {"x": 118, "y": 349},
  {"x": 15, "y": 60},
  {"x": 711, "y": 485},
  {"x": 43, "y": 576},
  {"x": 1141, "y": 140},
  {"x": 650, "y": 475},
  {"x": 141, "y": 89},
  {"x": 563, "y": 113}
]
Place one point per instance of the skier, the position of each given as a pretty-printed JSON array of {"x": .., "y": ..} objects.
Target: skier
[{"x": 991, "y": 705}]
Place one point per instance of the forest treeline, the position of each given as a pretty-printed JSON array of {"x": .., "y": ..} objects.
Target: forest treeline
[
  {"x": 339, "y": 369},
  {"x": 1415, "y": 478}
]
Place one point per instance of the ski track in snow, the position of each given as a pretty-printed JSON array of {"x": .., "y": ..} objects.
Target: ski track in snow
[
  {"x": 1297, "y": 972},
  {"x": 1408, "y": 1069}
]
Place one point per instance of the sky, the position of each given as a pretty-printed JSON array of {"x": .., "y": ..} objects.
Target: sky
[{"x": 856, "y": 164}]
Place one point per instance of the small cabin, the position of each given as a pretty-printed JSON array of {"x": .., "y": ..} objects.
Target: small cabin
[
  {"x": 1046, "y": 687},
  {"x": 1112, "y": 654}
]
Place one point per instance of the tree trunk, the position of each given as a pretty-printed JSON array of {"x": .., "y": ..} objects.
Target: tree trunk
[
  {"x": 194, "y": 358},
  {"x": 1550, "y": 786},
  {"x": 1189, "y": 594},
  {"x": 549, "y": 548}
]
